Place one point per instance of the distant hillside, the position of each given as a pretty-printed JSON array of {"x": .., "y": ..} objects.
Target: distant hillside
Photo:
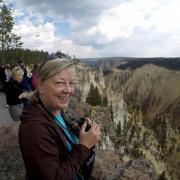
[
  {"x": 168, "y": 63},
  {"x": 152, "y": 96},
  {"x": 153, "y": 88},
  {"x": 132, "y": 63},
  {"x": 105, "y": 62}
]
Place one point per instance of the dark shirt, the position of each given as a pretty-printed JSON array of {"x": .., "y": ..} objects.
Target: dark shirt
[
  {"x": 2, "y": 78},
  {"x": 24, "y": 69},
  {"x": 44, "y": 148},
  {"x": 2, "y": 74},
  {"x": 12, "y": 91}
]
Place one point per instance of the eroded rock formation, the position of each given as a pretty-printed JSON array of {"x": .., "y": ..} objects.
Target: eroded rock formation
[{"x": 139, "y": 123}]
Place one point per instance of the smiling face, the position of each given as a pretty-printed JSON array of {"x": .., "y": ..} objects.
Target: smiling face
[
  {"x": 55, "y": 92},
  {"x": 17, "y": 73}
]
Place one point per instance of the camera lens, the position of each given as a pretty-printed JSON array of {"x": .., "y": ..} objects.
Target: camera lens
[{"x": 81, "y": 122}]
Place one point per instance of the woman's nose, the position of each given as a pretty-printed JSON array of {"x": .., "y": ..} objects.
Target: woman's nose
[{"x": 68, "y": 88}]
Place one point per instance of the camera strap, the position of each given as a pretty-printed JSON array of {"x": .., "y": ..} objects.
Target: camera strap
[
  {"x": 43, "y": 106},
  {"x": 64, "y": 133}
]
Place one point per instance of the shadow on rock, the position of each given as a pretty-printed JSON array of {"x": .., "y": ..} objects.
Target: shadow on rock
[{"x": 11, "y": 164}]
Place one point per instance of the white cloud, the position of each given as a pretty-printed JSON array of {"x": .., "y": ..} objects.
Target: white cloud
[
  {"x": 120, "y": 21},
  {"x": 167, "y": 17},
  {"x": 42, "y": 37},
  {"x": 101, "y": 28},
  {"x": 72, "y": 49}
]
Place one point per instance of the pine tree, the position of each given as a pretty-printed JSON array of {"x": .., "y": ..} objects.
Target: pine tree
[
  {"x": 7, "y": 38},
  {"x": 60, "y": 54},
  {"x": 94, "y": 97},
  {"x": 111, "y": 112},
  {"x": 162, "y": 176},
  {"x": 105, "y": 101},
  {"x": 118, "y": 129},
  {"x": 97, "y": 99},
  {"x": 90, "y": 97}
]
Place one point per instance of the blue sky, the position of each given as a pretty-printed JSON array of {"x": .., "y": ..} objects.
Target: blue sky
[{"x": 91, "y": 28}]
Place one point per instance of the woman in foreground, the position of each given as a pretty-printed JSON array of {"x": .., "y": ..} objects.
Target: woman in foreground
[{"x": 49, "y": 146}]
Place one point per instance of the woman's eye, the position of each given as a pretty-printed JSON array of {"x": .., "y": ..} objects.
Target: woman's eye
[
  {"x": 72, "y": 83},
  {"x": 60, "y": 83}
]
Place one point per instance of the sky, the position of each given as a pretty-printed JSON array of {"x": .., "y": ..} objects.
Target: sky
[{"x": 100, "y": 28}]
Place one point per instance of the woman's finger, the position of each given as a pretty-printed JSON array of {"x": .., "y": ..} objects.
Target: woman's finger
[{"x": 83, "y": 127}]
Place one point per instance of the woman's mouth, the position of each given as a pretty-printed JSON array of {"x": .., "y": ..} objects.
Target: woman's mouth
[{"x": 64, "y": 98}]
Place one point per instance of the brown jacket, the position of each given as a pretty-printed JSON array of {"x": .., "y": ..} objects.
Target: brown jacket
[{"x": 43, "y": 148}]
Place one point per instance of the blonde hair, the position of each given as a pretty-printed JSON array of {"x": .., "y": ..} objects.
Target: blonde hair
[
  {"x": 17, "y": 71},
  {"x": 48, "y": 70}
]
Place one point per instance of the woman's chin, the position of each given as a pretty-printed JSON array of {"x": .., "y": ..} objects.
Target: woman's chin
[{"x": 63, "y": 105}]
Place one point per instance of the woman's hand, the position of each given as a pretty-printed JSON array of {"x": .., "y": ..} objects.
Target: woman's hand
[
  {"x": 91, "y": 137},
  {"x": 23, "y": 95}
]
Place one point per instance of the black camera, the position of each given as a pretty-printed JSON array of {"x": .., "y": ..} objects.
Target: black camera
[{"x": 81, "y": 121}]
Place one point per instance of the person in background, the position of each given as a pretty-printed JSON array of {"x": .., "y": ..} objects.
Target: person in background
[
  {"x": 2, "y": 78},
  {"x": 14, "y": 93},
  {"x": 49, "y": 145},
  {"x": 7, "y": 72},
  {"x": 25, "y": 83},
  {"x": 34, "y": 77},
  {"x": 22, "y": 65}
]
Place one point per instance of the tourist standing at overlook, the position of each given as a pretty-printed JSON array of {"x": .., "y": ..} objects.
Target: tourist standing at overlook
[
  {"x": 34, "y": 77},
  {"x": 50, "y": 145},
  {"x": 2, "y": 78},
  {"x": 25, "y": 83},
  {"x": 22, "y": 65},
  {"x": 14, "y": 93},
  {"x": 7, "y": 72}
]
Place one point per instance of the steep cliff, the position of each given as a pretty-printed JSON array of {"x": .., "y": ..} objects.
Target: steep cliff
[
  {"x": 87, "y": 76},
  {"x": 145, "y": 113},
  {"x": 140, "y": 123},
  {"x": 152, "y": 97}
]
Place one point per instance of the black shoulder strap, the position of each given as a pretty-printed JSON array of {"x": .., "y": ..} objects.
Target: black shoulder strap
[{"x": 64, "y": 133}]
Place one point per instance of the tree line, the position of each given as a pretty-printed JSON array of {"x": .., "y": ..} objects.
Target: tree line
[{"x": 11, "y": 50}]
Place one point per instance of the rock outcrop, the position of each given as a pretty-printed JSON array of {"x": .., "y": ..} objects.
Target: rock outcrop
[
  {"x": 144, "y": 109},
  {"x": 108, "y": 164},
  {"x": 11, "y": 164}
]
